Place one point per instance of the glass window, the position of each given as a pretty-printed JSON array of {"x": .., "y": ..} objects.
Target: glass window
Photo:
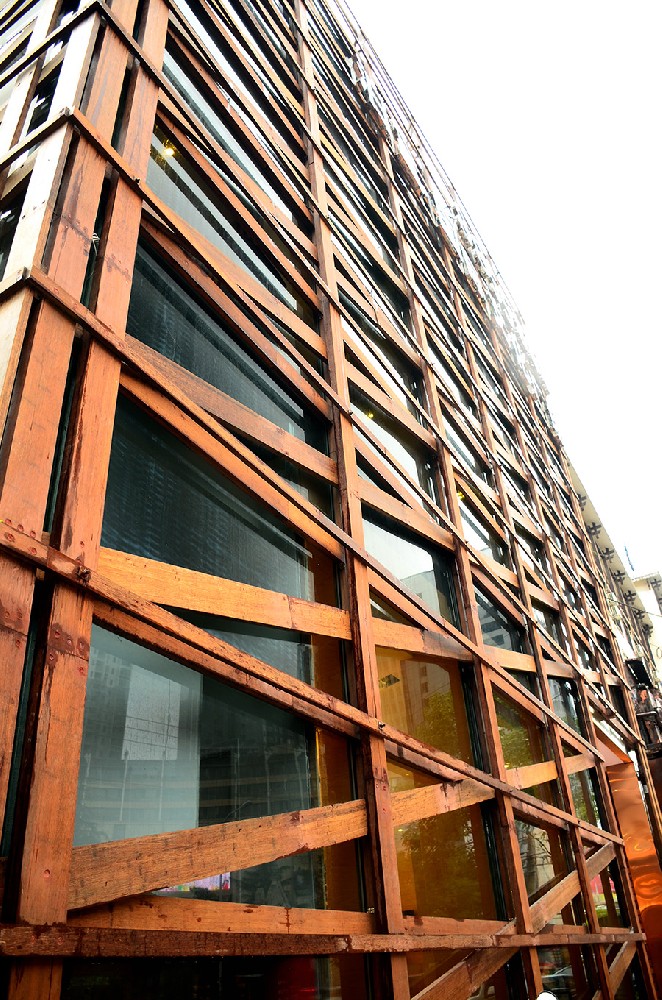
[
  {"x": 313, "y": 488},
  {"x": 182, "y": 80},
  {"x": 452, "y": 843},
  {"x": 419, "y": 566},
  {"x": 9, "y": 216},
  {"x": 400, "y": 444},
  {"x": 164, "y": 501},
  {"x": 165, "y": 748},
  {"x": 550, "y": 621},
  {"x": 565, "y": 703},
  {"x": 586, "y": 797},
  {"x": 42, "y": 100},
  {"x": 532, "y": 551},
  {"x": 313, "y": 659},
  {"x": 568, "y": 973},
  {"x": 608, "y": 897},
  {"x": 543, "y": 857},
  {"x": 478, "y": 535},
  {"x": 382, "y": 609},
  {"x": 464, "y": 450},
  {"x": 254, "y": 978},
  {"x": 498, "y": 629},
  {"x": 175, "y": 179},
  {"x": 395, "y": 367},
  {"x": 425, "y": 699},
  {"x": 165, "y": 316},
  {"x": 524, "y": 742}
]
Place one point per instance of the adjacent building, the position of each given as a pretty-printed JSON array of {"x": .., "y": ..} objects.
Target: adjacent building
[{"x": 312, "y": 682}]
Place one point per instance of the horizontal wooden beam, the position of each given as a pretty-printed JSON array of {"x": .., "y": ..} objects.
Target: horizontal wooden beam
[
  {"x": 152, "y": 912},
  {"x": 65, "y": 940},
  {"x": 175, "y": 586},
  {"x": 103, "y": 872}
]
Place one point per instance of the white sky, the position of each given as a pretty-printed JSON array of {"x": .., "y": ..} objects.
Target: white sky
[{"x": 547, "y": 121}]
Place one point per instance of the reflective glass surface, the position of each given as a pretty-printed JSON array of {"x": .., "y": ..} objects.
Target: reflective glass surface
[
  {"x": 164, "y": 501},
  {"x": 165, "y": 748},
  {"x": 443, "y": 861},
  {"x": 426, "y": 700},
  {"x": 420, "y": 567}
]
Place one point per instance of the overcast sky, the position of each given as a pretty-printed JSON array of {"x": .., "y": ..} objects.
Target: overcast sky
[{"x": 547, "y": 121}]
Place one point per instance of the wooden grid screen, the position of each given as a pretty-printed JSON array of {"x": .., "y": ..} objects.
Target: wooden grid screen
[{"x": 307, "y": 663}]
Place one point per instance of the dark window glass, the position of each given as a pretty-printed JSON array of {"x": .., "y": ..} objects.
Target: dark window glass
[
  {"x": 254, "y": 978},
  {"x": 166, "y": 317},
  {"x": 565, "y": 703},
  {"x": 187, "y": 192},
  {"x": 165, "y": 748},
  {"x": 464, "y": 450},
  {"x": 164, "y": 501},
  {"x": 9, "y": 216},
  {"x": 42, "y": 100},
  {"x": 550, "y": 621},
  {"x": 396, "y": 369},
  {"x": 498, "y": 629},
  {"x": 422, "y": 568},
  {"x": 314, "y": 489},
  {"x": 586, "y": 797},
  {"x": 426, "y": 700}
]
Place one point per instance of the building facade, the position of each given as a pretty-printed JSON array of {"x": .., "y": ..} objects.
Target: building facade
[{"x": 310, "y": 685}]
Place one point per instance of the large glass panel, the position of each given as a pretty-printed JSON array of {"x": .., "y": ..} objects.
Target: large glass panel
[
  {"x": 401, "y": 445},
  {"x": 164, "y": 501},
  {"x": 498, "y": 629},
  {"x": 564, "y": 701},
  {"x": 182, "y": 80},
  {"x": 443, "y": 861},
  {"x": 524, "y": 742},
  {"x": 9, "y": 216},
  {"x": 314, "y": 659},
  {"x": 175, "y": 179},
  {"x": 586, "y": 797},
  {"x": 543, "y": 857},
  {"x": 482, "y": 538},
  {"x": 165, "y": 748},
  {"x": 254, "y": 978},
  {"x": 426, "y": 700},
  {"x": 567, "y": 973},
  {"x": 165, "y": 316},
  {"x": 419, "y": 566},
  {"x": 608, "y": 897}
]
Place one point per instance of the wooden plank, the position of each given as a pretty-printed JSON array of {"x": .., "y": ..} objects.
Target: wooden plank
[
  {"x": 417, "y": 640},
  {"x": 432, "y": 800},
  {"x": 178, "y": 587},
  {"x": 468, "y": 976},
  {"x": 103, "y": 872},
  {"x": 533, "y": 774},
  {"x": 154, "y": 912},
  {"x": 620, "y": 964},
  {"x": 70, "y": 941}
]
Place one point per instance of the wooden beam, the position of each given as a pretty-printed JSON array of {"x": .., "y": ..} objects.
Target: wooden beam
[{"x": 103, "y": 872}]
